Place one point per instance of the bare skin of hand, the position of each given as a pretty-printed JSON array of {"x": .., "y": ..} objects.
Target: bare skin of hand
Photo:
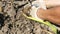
[{"x": 52, "y": 14}]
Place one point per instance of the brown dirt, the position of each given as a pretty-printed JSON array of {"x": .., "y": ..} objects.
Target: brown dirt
[{"x": 13, "y": 22}]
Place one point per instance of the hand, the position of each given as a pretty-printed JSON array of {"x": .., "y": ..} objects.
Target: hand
[{"x": 52, "y": 14}]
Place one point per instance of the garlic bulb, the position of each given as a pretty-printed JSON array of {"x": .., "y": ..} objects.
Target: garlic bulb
[{"x": 35, "y": 6}]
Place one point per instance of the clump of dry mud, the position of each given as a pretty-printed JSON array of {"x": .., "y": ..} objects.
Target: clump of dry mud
[{"x": 13, "y": 22}]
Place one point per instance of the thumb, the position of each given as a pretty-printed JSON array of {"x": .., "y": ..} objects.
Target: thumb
[{"x": 41, "y": 13}]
